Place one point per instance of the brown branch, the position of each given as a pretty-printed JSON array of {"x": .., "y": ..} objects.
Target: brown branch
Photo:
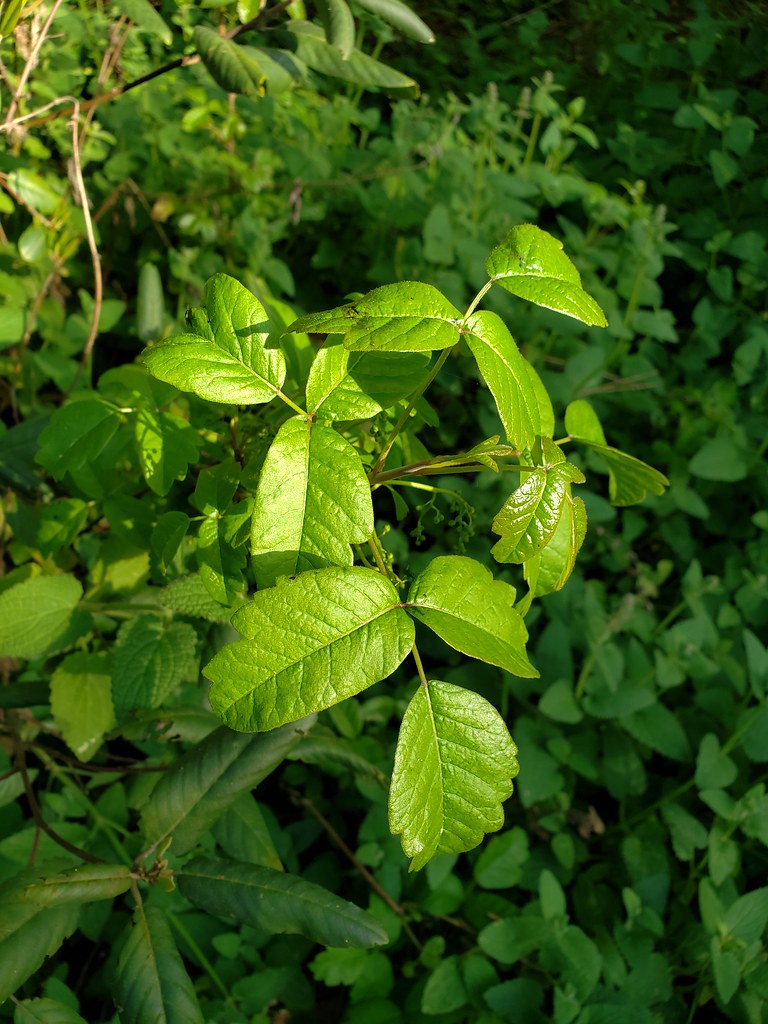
[{"x": 27, "y": 69}]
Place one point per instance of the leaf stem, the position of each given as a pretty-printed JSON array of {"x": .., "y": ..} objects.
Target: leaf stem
[
  {"x": 475, "y": 302},
  {"x": 205, "y": 963},
  {"x": 420, "y": 667}
]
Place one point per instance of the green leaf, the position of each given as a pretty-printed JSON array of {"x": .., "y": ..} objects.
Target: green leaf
[
  {"x": 549, "y": 570},
  {"x": 76, "y": 435},
  {"x": 216, "y": 487},
  {"x": 719, "y": 459},
  {"x": 458, "y": 598},
  {"x": 454, "y": 766},
  {"x": 444, "y": 991},
  {"x": 714, "y": 769},
  {"x": 167, "y": 537},
  {"x": 339, "y": 25},
  {"x": 508, "y": 375},
  {"x": 29, "y": 932},
  {"x": 167, "y": 446},
  {"x": 501, "y": 862},
  {"x": 276, "y": 902},
  {"x": 312, "y": 503},
  {"x": 726, "y": 969},
  {"x": 81, "y": 702},
  {"x": 151, "y": 657},
  {"x": 405, "y": 317},
  {"x": 242, "y": 833},
  {"x": 532, "y": 265},
  {"x": 747, "y": 917},
  {"x": 235, "y": 366},
  {"x": 204, "y": 783},
  {"x": 189, "y": 596},
  {"x": 144, "y": 16},
  {"x": 45, "y": 1011},
  {"x": 401, "y": 17},
  {"x": 358, "y": 68},
  {"x": 83, "y": 884},
  {"x": 151, "y": 983},
  {"x": 229, "y": 64},
  {"x": 629, "y": 478},
  {"x": 275, "y": 70},
  {"x": 358, "y": 385},
  {"x": 530, "y": 515},
  {"x": 35, "y": 614},
  {"x": 219, "y": 562},
  {"x": 309, "y": 643},
  {"x": 33, "y": 191}
]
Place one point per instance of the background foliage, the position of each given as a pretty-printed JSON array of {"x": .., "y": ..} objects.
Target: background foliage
[{"x": 628, "y": 881}]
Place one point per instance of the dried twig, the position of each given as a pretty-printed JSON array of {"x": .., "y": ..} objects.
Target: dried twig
[{"x": 27, "y": 69}]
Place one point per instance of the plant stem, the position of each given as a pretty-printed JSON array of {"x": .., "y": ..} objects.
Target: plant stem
[
  {"x": 205, "y": 963},
  {"x": 419, "y": 667}
]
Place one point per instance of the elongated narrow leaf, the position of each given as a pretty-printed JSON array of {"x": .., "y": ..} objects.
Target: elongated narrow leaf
[
  {"x": 235, "y": 366},
  {"x": 277, "y": 71},
  {"x": 630, "y": 479},
  {"x": 357, "y": 385},
  {"x": 207, "y": 780},
  {"x": 531, "y": 264},
  {"x": 459, "y": 600},
  {"x": 360, "y": 69},
  {"x": 339, "y": 25},
  {"x": 228, "y": 63},
  {"x": 454, "y": 766},
  {"x": 531, "y": 513},
  {"x": 277, "y": 902},
  {"x": 508, "y": 374},
  {"x": 401, "y": 17},
  {"x": 548, "y": 570},
  {"x": 83, "y": 884},
  {"x": 312, "y": 503},
  {"x": 405, "y": 317},
  {"x": 310, "y": 642},
  {"x": 45, "y": 1011},
  {"x": 166, "y": 446},
  {"x": 35, "y": 614},
  {"x": 144, "y": 16},
  {"x": 29, "y": 932},
  {"x": 151, "y": 982}
]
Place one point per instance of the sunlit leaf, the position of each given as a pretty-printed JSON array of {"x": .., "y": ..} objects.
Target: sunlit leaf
[
  {"x": 358, "y": 385},
  {"x": 549, "y": 569}
]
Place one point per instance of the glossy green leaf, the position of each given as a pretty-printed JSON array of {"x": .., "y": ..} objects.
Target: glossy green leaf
[
  {"x": 405, "y": 317},
  {"x": 309, "y": 642},
  {"x": 151, "y": 982},
  {"x": 29, "y": 932},
  {"x": 81, "y": 702},
  {"x": 312, "y": 503},
  {"x": 401, "y": 17},
  {"x": 78, "y": 432},
  {"x": 530, "y": 515},
  {"x": 35, "y": 614},
  {"x": 358, "y": 385},
  {"x": 207, "y": 781},
  {"x": 532, "y": 265},
  {"x": 548, "y": 570},
  {"x": 85, "y": 883},
  {"x": 45, "y": 1011},
  {"x": 454, "y": 766},
  {"x": 220, "y": 563},
  {"x": 509, "y": 376},
  {"x": 629, "y": 478},
  {"x": 151, "y": 657},
  {"x": 339, "y": 25},
  {"x": 458, "y": 598},
  {"x": 166, "y": 445},
  {"x": 144, "y": 16},
  {"x": 277, "y": 902},
  {"x": 228, "y": 63},
  {"x": 242, "y": 833},
  {"x": 235, "y": 366},
  {"x": 358, "y": 68}
]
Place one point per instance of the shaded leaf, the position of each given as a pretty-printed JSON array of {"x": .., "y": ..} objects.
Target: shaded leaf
[
  {"x": 234, "y": 366},
  {"x": 454, "y": 766},
  {"x": 167, "y": 537},
  {"x": 151, "y": 657},
  {"x": 166, "y": 445},
  {"x": 548, "y": 570},
  {"x": 78, "y": 432},
  {"x": 151, "y": 983},
  {"x": 85, "y": 883},
  {"x": 358, "y": 68},
  {"x": 229, "y": 64},
  {"x": 219, "y": 562},
  {"x": 405, "y": 317},
  {"x": 459, "y": 599},
  {"x": 45, "y": 1011},
  {"x": 144, "y": 16},
  {"x": 339, "y": 25},
  {"x": 208, "y": 780},
  {"x": 532, "y": 265},
  {"x": 312, "y": 503},
  {"x": 242, "y": 833},
  {"x": 81, "y": 702},
  {"x": 35, "y": 614},
  {"x": 401, "y": 17},
  {"x": 277, "y": 902},
  {"x": 358, "y": 385},
  {"x": 309, "y": 643}
]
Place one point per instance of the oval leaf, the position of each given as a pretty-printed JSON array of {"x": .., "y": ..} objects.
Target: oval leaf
[
  {"x": 277, "y": 902},
  {"x": 358, "y": 385},
  {"x": 229, "y": 66},
  {"x": 458, "y": 598},
  {"x": 454, "y": 766},
  {"x": 312, "y": 503},
  {"x": 83, "y": 884},
  {"x": 310, "y": 642},
  {"x": 339, "y": 26},
  {"x": 35, "y": 614},
  {"x": 401, "y": 17},
  {"x": 532, "y": 265}
]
